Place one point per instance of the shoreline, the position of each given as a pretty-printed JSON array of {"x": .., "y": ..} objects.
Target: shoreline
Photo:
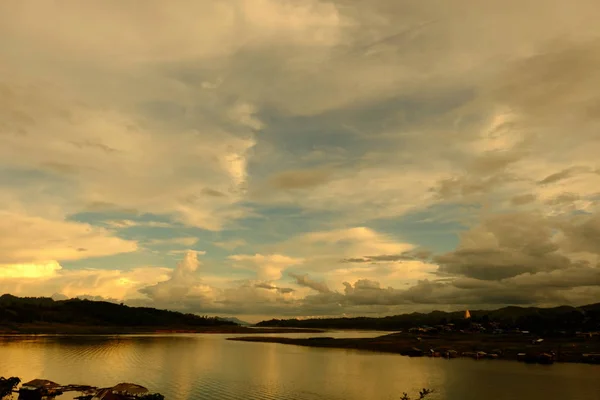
[{"x": 502, "y": 347}]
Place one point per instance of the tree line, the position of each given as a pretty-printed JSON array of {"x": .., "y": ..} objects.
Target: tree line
[
  {"x": 564, "y": 319},
  {"x": 29, "y": 310}
]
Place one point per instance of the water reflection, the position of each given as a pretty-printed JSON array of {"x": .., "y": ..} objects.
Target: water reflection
[{"x": 210, "y": 367}]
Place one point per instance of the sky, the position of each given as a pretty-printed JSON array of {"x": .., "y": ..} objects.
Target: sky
[{"x": 301, "y": 158}]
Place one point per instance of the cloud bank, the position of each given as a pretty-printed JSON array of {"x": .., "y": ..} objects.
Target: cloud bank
[{"x": 318, "y": 157}]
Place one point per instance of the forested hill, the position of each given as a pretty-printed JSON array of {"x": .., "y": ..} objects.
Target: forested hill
[
  {"x": 41, "y": 310},
  {"x": 565, "y": 318}
]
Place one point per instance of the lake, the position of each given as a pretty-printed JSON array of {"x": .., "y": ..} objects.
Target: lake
[{"x": 205, "y": 366}]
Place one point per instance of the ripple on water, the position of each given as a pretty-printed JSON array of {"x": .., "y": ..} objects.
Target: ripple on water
[{"x": 209, "y": 367}]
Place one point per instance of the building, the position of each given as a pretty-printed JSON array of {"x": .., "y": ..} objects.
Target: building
[
  {"x": 38, "y": 388},
  {"x": 124, "y": 391}
]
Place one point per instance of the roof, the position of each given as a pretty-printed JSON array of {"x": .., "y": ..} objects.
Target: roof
[
  {"x": 42, "y": 383},
  {"x": 106, "y": 394},
  {"x": 130, "y": 388},
  {"x": 120, "y": 391}
]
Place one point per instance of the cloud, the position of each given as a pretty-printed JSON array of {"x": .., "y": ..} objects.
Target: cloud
[
  {"x": 51, "y": 278},
  {"x": 187, "y": 288},
  {"x": 267, "y": 267},
  {"x": 523, "y": 199},
  {"x": 470, "y": 186},
  {"x": 405, "y": 256},
  {"x": 564, "y": 174},
  {"x": 581, "y": 234},
  {"x": 342, "y": 255},
  {"x": 565, "y": 279},
  {"x": 190, "y": 289},
  {"x": 127, "y": 223},
  {"x": 564, "y": 198},
  {"x": 504, "y": 246},
  {"x": 126, "y": 177},
  {"x": 30, "y": 239},
  {"x": 569, "y": 64},
  {"x": 361, "y": 117},
  {"x": 212, "y": 192},
  {"x": 183, "y": 282},
  {"x": 182, "y": 241},
  {"x": 271, "y": 287},
  {"x": 29, "y": 270},
  {"x": 305, "y": 280},
  {"x": 360, "y": 194},
  {"x": 231, "y": 244},
  {"x": 350, "y": 241},
  {"x": 300, "y": 179}
]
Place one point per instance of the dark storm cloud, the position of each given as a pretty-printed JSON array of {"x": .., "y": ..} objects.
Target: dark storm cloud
[
  {"x": 504, "y": 246},
  {"x": 582, "y": 233},
  {"x": 565, "y": 279},
  {"x": 365, "y": 294},
  {"x": 496, "y": 264}
]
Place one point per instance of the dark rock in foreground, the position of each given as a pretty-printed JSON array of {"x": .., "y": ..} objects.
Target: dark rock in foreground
[{"x": 7, "y": 385}]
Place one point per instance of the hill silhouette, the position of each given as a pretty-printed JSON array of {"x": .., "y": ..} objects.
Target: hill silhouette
[
  {"x": 563, "y": 318},
  {"x": 30, "y": 313}
]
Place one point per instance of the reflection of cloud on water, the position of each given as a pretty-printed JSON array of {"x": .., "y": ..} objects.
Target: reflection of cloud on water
[
  {"x": 183, "y": 361},
  {"x": 205, "y": 366},
  {"x": 208, "y": 367},
  {"x": 266, "y": 379}
]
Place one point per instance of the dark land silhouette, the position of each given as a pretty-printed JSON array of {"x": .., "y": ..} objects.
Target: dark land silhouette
[
  {"x": 43, "y": 389},
  {"x": 76, "y": 316},
  {"x": 557, "y": 320},
  {"x": 538, "y": 335}
]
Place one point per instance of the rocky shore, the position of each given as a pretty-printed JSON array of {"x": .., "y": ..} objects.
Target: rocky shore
[{"x": 477, "y": 346}]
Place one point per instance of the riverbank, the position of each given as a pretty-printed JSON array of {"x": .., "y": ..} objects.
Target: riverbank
[
  {"x": 506, "y": 347},
  {"x": 74, "y": 329}
]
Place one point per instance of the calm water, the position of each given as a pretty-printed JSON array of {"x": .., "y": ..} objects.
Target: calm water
[{"x": 210, "y": 367}]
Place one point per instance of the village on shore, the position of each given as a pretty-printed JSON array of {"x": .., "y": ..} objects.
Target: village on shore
[
  {"x": 39, "y": 389},
  {"x": 467, "y": 338}
]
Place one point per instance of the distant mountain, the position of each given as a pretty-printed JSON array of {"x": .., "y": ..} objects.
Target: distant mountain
[
  {"x": 19, "y": 311},
  {"x": 235, "y": 320},
  {"x": 564, "y": 318}
]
